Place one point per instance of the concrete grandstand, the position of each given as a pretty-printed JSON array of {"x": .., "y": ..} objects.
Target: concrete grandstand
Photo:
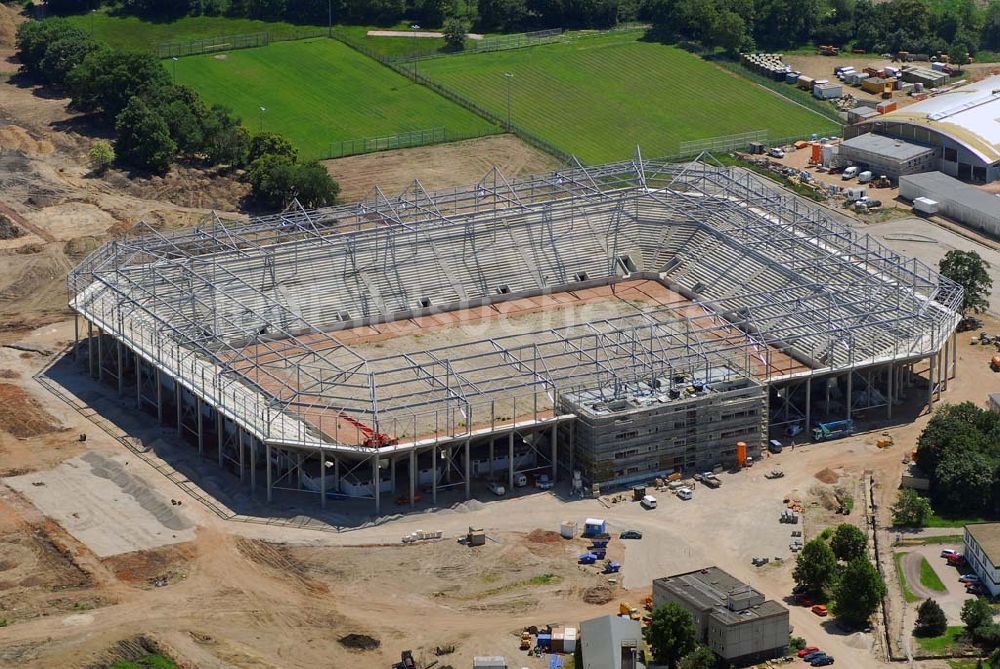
[{"x": 624, "y": 321}]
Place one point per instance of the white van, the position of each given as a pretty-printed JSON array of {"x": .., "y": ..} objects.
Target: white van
[
  {"x": 685, "y": 493},
  {"x": 849, "y": 173},
  {"x": 648, "y": 502},
  {"x": 864, "y": 177}
]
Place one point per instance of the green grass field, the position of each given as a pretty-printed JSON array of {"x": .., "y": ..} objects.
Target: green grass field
[
  {"x": 950, "y": 642},
  {"x": 929, "y": 578},
  {"x": 320, "y": 91},
  {"x": 599, "y": 96},
  {"x": 130, "y": 32},
  {"x": 908, "y": 594}
]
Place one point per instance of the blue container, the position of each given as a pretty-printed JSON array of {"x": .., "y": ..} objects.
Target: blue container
[{"x": 545, "y": 640}]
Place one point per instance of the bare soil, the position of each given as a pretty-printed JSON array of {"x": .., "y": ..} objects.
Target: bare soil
[
  {"x": 455, "y": 164},
  {"x": 21, "y": 415}
]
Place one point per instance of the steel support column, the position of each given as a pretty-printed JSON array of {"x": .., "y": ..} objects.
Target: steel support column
[
  {"x": 808, "y": 425},
  {"x": 945, "y": 365},
  {"x": 159, "y": 396},
  {"x": 100, "y": 355},
  {"x": 242, "y": 450},
  {"x": 413, "y": 476},
  {"x": 376, "y": 487},
  {"x": 491, "y": 459},
  {"x": 138, "y": 381},
  {"x": 76, "y": 337},
  {"x": 267, "y": 468},
  {"x": 555, "y": 452},
  {"x": 220, "y": 433},
  {"x": 253, "y": 465},
  {"x": 178, "y": 396},
  {"x": 510, "y": 460},
  {"x": 850, "y": 388},
  {"x": 120, "y": 364},
  {"x": 322, "y": 480},
  {"x": 468, "y": 470},
  {"x": 392, "y": 475},
  {"x": 954, "y": 355},
  {"x": 435, "y": 454},
  {"x": 298, "y": 461},
  {"x": 888, "y": 395},
  {"x": 90, "y": 348},
  {"x": 199, "y": 406},
  {"x": 930, "y": 384}
]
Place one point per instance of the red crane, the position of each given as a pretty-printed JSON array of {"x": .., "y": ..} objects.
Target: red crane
[{"x": 373, "y": 438}]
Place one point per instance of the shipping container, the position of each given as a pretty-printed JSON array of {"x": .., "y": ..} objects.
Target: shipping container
[
  {"x": 885, "y": 107},
  {"x": 805, "y": 83},
  {"x": 817, "y": 152}
]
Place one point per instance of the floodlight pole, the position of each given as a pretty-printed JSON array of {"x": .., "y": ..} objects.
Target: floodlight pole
[
  {"x": 175, "y": 69},
  {"x": 262, "y": 110},
  {"x": 509, "y": 76},
  {"x": 92, "y": 12},
  {"x": 329, "y": 18}
]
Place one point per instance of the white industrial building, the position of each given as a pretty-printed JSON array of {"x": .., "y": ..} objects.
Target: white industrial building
[
  {"x": 982, "y": 551},
  {"x": 962, "y": 125},
  {"x": 961, "y": 202}
]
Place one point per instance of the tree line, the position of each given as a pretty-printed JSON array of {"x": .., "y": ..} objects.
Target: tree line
[
  {"x": 919, "y": 26},
  {"x": 157, "y": 121}
]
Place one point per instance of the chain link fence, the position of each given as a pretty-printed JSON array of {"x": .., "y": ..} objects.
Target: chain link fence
[{"x": 232, "y": 42}]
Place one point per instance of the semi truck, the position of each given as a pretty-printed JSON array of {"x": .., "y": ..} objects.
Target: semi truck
[{"x": 833, "y": 430}]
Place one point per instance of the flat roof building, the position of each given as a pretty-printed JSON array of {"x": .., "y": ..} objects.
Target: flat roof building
[
  {"x": 888, "y": 155},
  {"x": 611, "y": 642},
  {"x": 731, "y": 617},
  {"x": 962, "y": 124},
  {"x": 982, "y": 551}
]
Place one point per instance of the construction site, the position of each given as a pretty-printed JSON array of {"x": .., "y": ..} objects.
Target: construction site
[{"x": 609, "y": 324}]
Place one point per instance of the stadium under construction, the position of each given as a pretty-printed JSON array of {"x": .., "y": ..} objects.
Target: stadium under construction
[{"x": 624, "y": 321}]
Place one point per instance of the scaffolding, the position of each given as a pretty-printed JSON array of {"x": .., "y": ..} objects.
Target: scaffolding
[{"x": 246, "y": 316}]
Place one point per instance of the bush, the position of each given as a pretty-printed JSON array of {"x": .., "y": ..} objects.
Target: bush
[
  {"x": 100, "y": 157},
  {"x": 976, "y": 612},
  {"x": 910, "y": 509},
  {"x": 848, "y": 542}
]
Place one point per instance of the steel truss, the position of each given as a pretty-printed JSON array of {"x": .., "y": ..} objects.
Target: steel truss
[{"x": 242, "y": 313}]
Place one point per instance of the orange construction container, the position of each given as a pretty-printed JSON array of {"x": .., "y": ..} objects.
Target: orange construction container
[
  {"x": 741, "y": 454},
  {"x": 817, "y": 152}
]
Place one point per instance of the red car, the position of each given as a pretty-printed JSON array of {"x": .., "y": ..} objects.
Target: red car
[
  {"x": 808, "y": 649},
  {"x": 820, "y": 610}
]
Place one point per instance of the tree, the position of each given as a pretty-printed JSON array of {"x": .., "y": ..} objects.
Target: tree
[
  {"x": 455, "y": 31},
  {"x": 100, "y": 157},
  {"x": 995, "y": 658},
  {"x": 848, "y": 542},
  {"x": 144, "y": 138},
  {"x": 107, "y": 79},
  {"x": 976, "y": 612},
  {"x": 858, "y": 592},
  {"x": 226, "y": 141},
  {"x": 313, "y": 186},
  {"x": 35, "y": 38},
  {"x": 271, "y": 143},
  {"x": 910, "y": 509},
  {"x": 63, "y": 54},
  {"x": 730, "y": 33},
  {"x": 815, "y": 566},
  {"x": 701, "y": 658},
  {"x": 991, "y": 26},
  {"x": 964, "y": 477},
  {"x": 931, "y": 620},
  {"x": 275, "y": 182},
  {"x": 671, "y": 634},
  {"x": 968, "y": 270}
]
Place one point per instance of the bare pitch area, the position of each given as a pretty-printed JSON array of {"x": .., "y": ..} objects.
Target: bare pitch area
[{"x": 440, "y": 166}]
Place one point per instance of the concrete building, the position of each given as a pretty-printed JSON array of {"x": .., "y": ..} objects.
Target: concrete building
[
  {"x": 731, "y": 617},
  {"x": 860, "y": 114},
  {"x": 961, "y": 125},
  {"x": 959, "y": 201},
  {"x": 982, "y": 551},
  {"x": 611, "y": 642},
  {"x": 915, "y": 74},
  {"x": 887, "y": 155}
]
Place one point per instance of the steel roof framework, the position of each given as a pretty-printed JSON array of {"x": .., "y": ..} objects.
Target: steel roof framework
[{"x": 281, "y": 375}]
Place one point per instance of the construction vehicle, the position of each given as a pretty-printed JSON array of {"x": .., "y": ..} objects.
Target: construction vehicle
[
  {"x": 833, "y": 430},
  {"x": 884, "y": 441},
  {"x": 626, "y": 609},
  {"x": 406, "y": 661},
  {"x": 995, "y": 363},
  {"x": 587, "y": 558},
  {"x": 881, "y": 182},
  {"x": 648, "y": 603},
  {"x": 612, "y": 567},
  {"x": 827, "y": 50},
  {"x": 525, "y": 639}
]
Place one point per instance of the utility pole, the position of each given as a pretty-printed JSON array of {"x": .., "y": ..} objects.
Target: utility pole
[{"x": 510, "y": 77}]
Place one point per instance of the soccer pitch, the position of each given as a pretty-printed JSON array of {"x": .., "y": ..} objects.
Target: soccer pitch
[
  {"x": 597, "y": 97},
  {"x": 318, "y": 92}
]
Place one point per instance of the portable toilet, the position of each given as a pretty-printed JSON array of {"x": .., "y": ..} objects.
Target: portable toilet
[
  {"x": 741, "y": 453},
  {"x": 817, "y": 152},
  {"x": 594, "y": 526}
]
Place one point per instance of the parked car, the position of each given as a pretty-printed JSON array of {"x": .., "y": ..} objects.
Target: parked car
[
  {"x": 820, "y": 610},
  {"x": 497, "y": 488},
  {"x": 630, "y": 534},
  {"x": 956, "y": 561},
  {"x": 776, "y": 152},
  {"x": 685, "y": 493},
  {"x": 948, "y": 552},
  {"x": 975, "y": 589},
  {"x": 812, "y": 656},
  {"x": 648, "y": 502},
  {"x": 968, "y": 578},
  {"x": 824, "y": 661},
  {"x": 543, "y": 482},
  {"x": 849, "y": 173},
  {"x": 807, "y": 650}
]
